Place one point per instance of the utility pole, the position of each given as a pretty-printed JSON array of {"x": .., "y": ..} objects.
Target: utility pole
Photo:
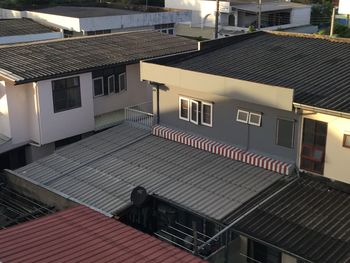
[
  {"x": 217, "y": 19},
  {"x": 332, "y": 23},
  {"x": 259, "y": 14}
]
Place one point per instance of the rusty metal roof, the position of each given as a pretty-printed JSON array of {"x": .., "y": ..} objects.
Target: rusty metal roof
[{"x": 80, "y": 234}]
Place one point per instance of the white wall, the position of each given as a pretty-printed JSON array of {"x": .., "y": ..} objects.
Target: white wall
[
  {"x": 137, "y": 92},
  {"x": 183, "y": 4},
  {"x": 4, "y": 113},
  {"x": 29, "y": 38},
  {"x": 64, "y": 22},
  {"x": 300, "y": 16},
  {"x": 7, "y": 13},
  {"x": 337, "y": 156},
  {"x": 61, "y": 125},
  {"x": 134, "y": 20}
]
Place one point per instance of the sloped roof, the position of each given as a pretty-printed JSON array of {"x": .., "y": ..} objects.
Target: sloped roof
[
  {"x": 102, "y": 170},
  {"x": 80, "y": 234},
  {"x": 315, "y": 67},
  {"x": 310, "y": 219},
  {"x": 49, "y": 59},
  {"x": 22, "y": 26}
]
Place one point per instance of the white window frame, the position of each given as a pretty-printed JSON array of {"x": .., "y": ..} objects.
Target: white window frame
[
  {"x": 188, "y": 103},
  {"x": 190, "y": 109},
  {"x": 211, "y": 114},
  {"x": 103, "y": 87},
  {"x": 254, "y": 123},
  {"x": 240, "y": 120},
  {"x": 109, "y": 88},
  {"x": 126, "y": 82}
]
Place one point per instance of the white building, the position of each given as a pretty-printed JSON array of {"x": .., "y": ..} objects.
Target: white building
[
  {"x": 54, "y": 92},
  {"x": 25, "y": 30},
  {"x": 77, "y": 21},
  {"x": 238, "y": 15}
]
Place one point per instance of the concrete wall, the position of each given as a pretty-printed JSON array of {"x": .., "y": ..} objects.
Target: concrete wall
[
  {"x": 64, "y": 22},
  {"x": 300, "y": 16},
  {"x": 137, "y": 92},
  {"x": 288, "y": 259},
  {"x": 5, "y": 127},
  {"x": 337, "y": 156},
  {"x": 30, "y": 38},
  {"x": 188, "y": 30},
  {"x": 64, "y": 124},
  {"x": 8, "y": 14},
  {"x": 225, "y": 127}
]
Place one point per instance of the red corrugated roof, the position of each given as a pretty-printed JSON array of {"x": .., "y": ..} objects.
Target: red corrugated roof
[{"x": 81, "y": 234}]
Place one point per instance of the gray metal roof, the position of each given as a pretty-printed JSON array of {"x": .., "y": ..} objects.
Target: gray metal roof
[
  {"x": 54, "y": 58},
  {"x": 310, "y": 219},
  {"x": 102, "y": 170},
  {"x": 22, "y": 26},
  {"x": 85, "y": 11},
  {"x": 315, "y": 67}
]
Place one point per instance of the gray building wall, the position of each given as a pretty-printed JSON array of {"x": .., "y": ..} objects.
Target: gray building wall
[{"x": 225, "y": 127}]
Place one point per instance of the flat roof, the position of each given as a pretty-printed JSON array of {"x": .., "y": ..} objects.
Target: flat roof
[
  {"x": 80, "y": 234},
  {"x": 267, "y": 6},
  {"x": 85, "y": 12},
  {"x": 102, "y": 170},
  {"x": 54, "y": 58},
  {"x": 22, "y": 26},
  {"x": 309, "y": 218},
  {"x": 315, "y": 67}
]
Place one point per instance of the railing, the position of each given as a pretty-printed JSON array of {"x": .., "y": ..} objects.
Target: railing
[{"x": 140, "y": 115}]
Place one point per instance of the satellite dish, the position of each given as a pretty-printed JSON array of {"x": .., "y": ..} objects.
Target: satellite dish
[{"x": 138, "y": 196}]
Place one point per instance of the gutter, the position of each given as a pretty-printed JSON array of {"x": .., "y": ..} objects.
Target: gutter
[{"x": 321, "y": 110}]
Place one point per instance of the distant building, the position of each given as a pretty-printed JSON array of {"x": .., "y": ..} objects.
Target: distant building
[
  {"x": 78, "y": 21},
  {"x": 237, "y": 16},
  {"x": 25, "y": 30}
]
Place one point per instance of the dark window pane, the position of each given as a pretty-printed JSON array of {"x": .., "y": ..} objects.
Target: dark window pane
[
  {"x": 194, "y": 111},
  {"x": 122, "y": 82},
  {"x": 285, "y": 131},
  {"x": 184, "y": 109},
  {"x": 98, "y": 87},
  {"x": 66, "y": 94},
  {"x": 111, "y": 84},
  {"x": 206, "y": 114}
]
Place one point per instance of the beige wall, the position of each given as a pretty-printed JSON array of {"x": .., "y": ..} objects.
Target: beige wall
[
  {"x": 288, "y": 259},
  {"x": 5, "y": 128},
  {"x": 187, "y": 30},
  {"x": 61, "y": 125},
  {"x": 337, "y": 156},
  {"x": 137, "y": 92}
]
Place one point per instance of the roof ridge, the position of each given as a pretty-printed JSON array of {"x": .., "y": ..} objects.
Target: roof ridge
[{"x": 310, "y": 36}]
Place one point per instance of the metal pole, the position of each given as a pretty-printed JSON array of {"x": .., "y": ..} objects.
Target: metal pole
[
  {"x": 259, "y": 14},
  {"x": 158, "y": 110},
  {"x": 217, "y": 19},
  {"x": 195, "y": 238},
  {"x": 332, "y": 23}
]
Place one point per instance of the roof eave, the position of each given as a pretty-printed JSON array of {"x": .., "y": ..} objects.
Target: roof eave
[{"x": 321, "y": 110}]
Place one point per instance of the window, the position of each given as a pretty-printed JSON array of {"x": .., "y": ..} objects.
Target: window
[
  {"x": 346, "y": 140},
  {"x": 98, "y": 87},
  {"x": 194, "y": 112},
  {"x": 255, "y": 119},
  {"x": 260, "y": 253},
  {"x": 66, "y": 94},
  {"x": 207, "y": 114},
  {"x": 285, "y": 133},
  {"x": 122, "y": 82},
  {"x": 111, "y": 84},
  {"x": 242, "y": 116},
  {"x": 184, "y": 108},
  {"x": 313, "y": 146}
]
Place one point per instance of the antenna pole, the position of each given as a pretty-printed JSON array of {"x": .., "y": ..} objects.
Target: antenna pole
[{"x": 217, "y": 19}]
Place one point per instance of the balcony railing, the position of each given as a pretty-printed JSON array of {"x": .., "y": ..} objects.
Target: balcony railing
[{"x": 140, "y": 115}]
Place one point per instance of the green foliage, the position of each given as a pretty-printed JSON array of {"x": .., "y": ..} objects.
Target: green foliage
[
  {"x": 339, "y": 31},
  {"x": 251, "y": 29},
  {"x": 321, "y": 13}
]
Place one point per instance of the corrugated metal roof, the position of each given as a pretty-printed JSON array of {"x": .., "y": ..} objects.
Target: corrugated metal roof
[
  {"x": 309, "y": 218},
  {"x": 48, "y": 59},
  {"x": 80, "y": 234},
  {"x": 23, "y": 26},
  {"x": 316, "y": 68},
  {"x": 101, "y": 174}
]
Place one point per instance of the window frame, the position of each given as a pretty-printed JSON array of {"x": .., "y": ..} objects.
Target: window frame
[
  {"x": 253, "y": 123},
  {"x": 93, "y": 84},
  {"x": 240, "y": 120},
  {"x": 293, "y": 133},
  {"x": 109, "y": 88},
  {"x": 125, "y": 82},
  {"x": 344, "y": 140},
  {"x": 53, "y": 94},
  {"x": 188, "y": 109},
  {"x": 211, "y": 114}
]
